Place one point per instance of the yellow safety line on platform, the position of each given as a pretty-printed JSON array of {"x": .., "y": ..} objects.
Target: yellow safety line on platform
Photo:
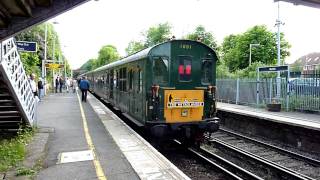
[{"x": 96, "y": 162}]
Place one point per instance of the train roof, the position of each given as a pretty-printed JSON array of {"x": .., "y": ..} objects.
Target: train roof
[{"x": 136, "y": 56}]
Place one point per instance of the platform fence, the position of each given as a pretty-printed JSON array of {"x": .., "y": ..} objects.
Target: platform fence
[{"x": 297, "y": 94}]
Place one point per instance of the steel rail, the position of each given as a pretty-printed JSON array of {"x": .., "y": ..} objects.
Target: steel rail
[
  {"x": 312, "y": 161},
  {"x": 200, "y": 156},
  {"x": 238, "y": 168},
  {"x": 232, "y": 175},
  {"x": 288, "y": 172}
]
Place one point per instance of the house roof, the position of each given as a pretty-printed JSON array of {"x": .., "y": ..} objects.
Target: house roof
[{"x": 309, "y": 59}]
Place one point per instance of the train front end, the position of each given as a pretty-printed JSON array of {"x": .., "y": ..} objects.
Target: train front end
[{"x": 182, "y": 99}]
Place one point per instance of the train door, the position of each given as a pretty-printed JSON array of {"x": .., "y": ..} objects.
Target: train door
[
  {"x": 131, "y": 91},
  {"x": 116, "y": 87},
  {"x": 107, "y": 84},
  {"x": 111, "y": 77},
  {"x": 138, "y": 98}
]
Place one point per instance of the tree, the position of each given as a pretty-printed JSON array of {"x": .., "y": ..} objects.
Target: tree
[
  {"x": 107, "y": 54},
  {"x": 297, "y": 66},
  {"x": 89, "y": 65},
  {"x": 32, "y": 61},
  {"x": 134, "y": 46},
  {"x": 154, "y": 35},
  {"x": 201, "y": 34},
  {"x": 235, "y": 48},
  {"x": 157, "y": 34}
]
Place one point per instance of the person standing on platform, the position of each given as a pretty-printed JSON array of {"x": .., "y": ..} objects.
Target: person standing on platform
[
  {"x": 67, "y": 83},
  {"x": 84, "y": 87},
  {"x": 57, "y": 84},
  {"x": 40, "y": 88},
  {"x": 33, "y": 85},
  {"x": 60, "y": 84},
  {"x": 74, "y": 85}
]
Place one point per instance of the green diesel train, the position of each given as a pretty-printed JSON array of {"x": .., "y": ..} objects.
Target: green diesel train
[{"x": 169, "y": 88}]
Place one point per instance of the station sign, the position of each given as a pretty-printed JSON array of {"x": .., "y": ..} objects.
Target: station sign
[
  {"x": 26, "y": 46},
  {"x": 273, "y": 68},
  {"x": 54, "y": 66}
]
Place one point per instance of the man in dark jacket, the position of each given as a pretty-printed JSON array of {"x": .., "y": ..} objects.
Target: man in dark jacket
[
  {"x": 40, "y": 88},
  {"x": 84, "y": 87},
  {"x": 57, "y": 83},
  {"x": 60, "y": 84}
]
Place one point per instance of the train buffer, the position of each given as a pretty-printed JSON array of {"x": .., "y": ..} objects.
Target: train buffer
[{"x": 90, "y": 142}]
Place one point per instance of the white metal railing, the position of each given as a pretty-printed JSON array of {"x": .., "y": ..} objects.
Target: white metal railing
[
  {"x": 303, "y": 93},
  {"x": 18, "y": 82}
]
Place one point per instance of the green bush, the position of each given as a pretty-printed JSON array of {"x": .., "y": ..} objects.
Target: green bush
[{"x": 12, "y": 150}]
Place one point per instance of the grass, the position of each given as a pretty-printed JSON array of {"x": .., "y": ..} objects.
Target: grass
[
  {"x": 13, "y": 149},
  {"x": 23, "y": 171}
]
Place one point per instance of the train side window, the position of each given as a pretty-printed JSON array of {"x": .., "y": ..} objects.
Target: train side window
[
  {"x": 124, "y": 79},
  {"x": 185, "y": 68},
  {"x": 117, "y": 79},
  {"x": 140, "y": 81},
  {"x": 107, "y": 78},
  {"x": 130, "y": 79},
  {"x": 160, "y": 68},
  {"x": 206, "y": 71},
  {"x": 120, "y": 79}
]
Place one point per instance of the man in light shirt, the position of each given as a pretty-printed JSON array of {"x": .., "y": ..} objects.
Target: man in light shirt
[{"x": 33, "y": 84}]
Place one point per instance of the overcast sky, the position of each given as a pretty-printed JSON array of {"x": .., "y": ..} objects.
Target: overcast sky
[{"x": 85, "y": 29}]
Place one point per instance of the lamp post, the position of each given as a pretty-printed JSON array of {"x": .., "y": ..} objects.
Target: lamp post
[
  {"x": 278, "y": 23},
  {"x": 65, "y": 68},
  {"x": 53, "y": 54},
  {"x": 251, "y": 45},
  {"x": 43, "y": 67}
]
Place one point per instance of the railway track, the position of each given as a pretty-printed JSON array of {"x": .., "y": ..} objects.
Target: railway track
[
  {"x": 234, "y": 156},
  {"x": 266, "y": 161},
  {"x": 231, "y": 170}
]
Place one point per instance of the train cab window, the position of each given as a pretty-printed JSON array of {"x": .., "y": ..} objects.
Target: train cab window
[
  {"x": 185, "y": 68},
  {"x": 160, "y": 68},
  {"x": 206, "y": 71}
]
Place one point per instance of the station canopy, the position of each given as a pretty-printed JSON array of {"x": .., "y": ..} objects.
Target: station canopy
[
  {"x": 17, "y": 15},
  {"x": 310, "y": 3}
]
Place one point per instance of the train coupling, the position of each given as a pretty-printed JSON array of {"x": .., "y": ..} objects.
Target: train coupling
[{"x": 210, "y": 124}]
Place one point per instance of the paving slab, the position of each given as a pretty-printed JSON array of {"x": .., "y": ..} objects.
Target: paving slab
[{"x": 61, "y": 111}]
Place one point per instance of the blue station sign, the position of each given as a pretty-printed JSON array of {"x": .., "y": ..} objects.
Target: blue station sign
[
  {"x": 273, "y": 68},
  {"x": 26, "y": 46}
]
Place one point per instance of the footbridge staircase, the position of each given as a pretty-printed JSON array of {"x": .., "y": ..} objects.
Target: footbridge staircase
[{"x": 17, "y": 104}]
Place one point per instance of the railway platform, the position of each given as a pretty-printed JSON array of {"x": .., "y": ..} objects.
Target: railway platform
[
  {"x": 90, "y": 142},
  {"x": 296, "y": 129},
  {"x": 305, "y": 120}
]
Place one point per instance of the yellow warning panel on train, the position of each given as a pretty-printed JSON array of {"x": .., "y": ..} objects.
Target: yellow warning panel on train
[{"x": 183, "y": 105}]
